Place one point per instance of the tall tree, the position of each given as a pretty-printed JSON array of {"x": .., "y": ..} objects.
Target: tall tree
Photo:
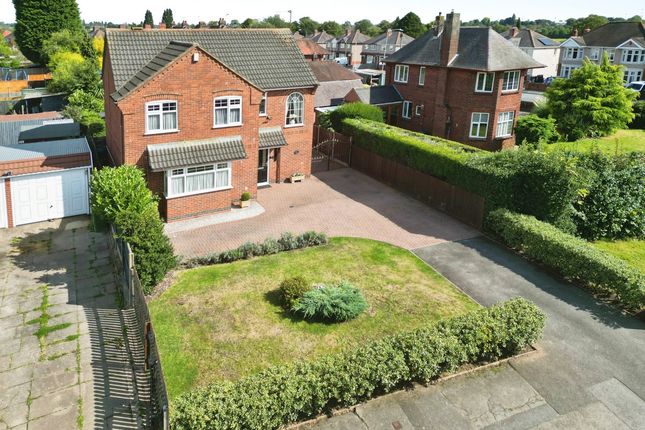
[
  {"x": 331, "y": 27},
  {"x": 37, "y": 20},
  {"x": 147, "y": 20},
  {"x": 411, "y": 25},
  {"x": 385, "y": 25},
  {"x": 364, "y": 26},
  {"x": 167, "y": 18},
  {"x": 307, "y": 26},
  {"x": 276, "y": 22},
  {"x": 592, "y": 102}
]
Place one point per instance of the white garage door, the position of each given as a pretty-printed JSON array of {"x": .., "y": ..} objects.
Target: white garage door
[{"x": 49, "y": 196}]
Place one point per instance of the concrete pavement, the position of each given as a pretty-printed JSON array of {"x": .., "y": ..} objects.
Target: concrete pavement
[{"x": 588, "y": 374}]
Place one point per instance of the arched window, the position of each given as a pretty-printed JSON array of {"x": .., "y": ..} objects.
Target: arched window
[{"x": 295, "y": 109}]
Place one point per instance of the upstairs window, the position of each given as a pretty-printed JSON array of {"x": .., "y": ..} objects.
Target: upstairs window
[
  {"x": 632, "y": 75},
  {"x": 594, "y": 54},
  {"x": 228, "y": 111},
  {"x": 573, "y": 53},
  {"x": 511, "y": 81},
  {"x": 479, "y": 125},
  {"x": 484, "y": 82},
  {"x": 633, "y": 56},
  {"x": 161, "y": 117},
  {"x": 401, "y": 73},
  {"x": 295, "y": 109},
  {"x": 422, "y": 76},
  {"x": 611, "y": 53},
  {"x": 263, "y": 105}
]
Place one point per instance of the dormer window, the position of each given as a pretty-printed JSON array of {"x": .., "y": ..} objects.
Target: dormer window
[
  {"x": 161, "y": 117},
  {"x": 573, "y": 53}
]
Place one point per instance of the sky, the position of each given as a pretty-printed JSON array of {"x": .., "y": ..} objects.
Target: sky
[{"x": 193, "y": 11}]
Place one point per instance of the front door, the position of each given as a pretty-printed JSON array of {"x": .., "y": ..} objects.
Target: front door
[{"x": 263, "y": 167}]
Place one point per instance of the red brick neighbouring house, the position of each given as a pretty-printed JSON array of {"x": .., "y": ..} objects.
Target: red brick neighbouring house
[
  {"x": 463, "y": 84},
  {"x": 208, "y": 114}
]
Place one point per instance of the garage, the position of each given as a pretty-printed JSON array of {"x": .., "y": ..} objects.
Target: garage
[{"x": 44, "y": 181}]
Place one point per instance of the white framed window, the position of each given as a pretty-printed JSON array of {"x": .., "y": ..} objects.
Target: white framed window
[
  {"x": 633, "y": 56},
  {"x": 479, "y": 125},
  {"x": 369, "y": 59},
  {"x": 511, "y": 81},
  {"x": 485, "y": 82},
  {"x": 505, "y": 122},
  {"x": 407, "y": 109},
  {"x": 227, "y": 111},
  {"x": 161, "y": 117},
  {"x": 295, "y": 114},
  {"x": 186, "y": 181},
  {"x": 566, "y": 71},
  {"x": 594, "y": 53},
  {"x": 422, "y": 76},
  {"x": 418, "y": 110},
  {"x": 263, "y": 105},
  {"x": 573, "y": 53},
  {"x": 632, "y": 75},
  {"x": 401, "y": 73},
  {"x": 611, "y": 53}
]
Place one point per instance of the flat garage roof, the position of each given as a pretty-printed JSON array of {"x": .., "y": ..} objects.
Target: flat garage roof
[{"x": 54, "y": 148}]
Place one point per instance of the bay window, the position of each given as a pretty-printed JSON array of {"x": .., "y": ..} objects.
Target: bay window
[
  {"x": 198, "y": 179},
  {"x": 161, "y": 117},
  {"x": 633, "y": 56},
  {"x": 227, "y": 111},
  {"x": 573, "y": 53}
]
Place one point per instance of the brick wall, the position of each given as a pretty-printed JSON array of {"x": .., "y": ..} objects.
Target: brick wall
[
  {"x": 194, "y": 86},
  {"x": 7, "y": 192}
]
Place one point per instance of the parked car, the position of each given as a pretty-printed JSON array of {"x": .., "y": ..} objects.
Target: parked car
[{"x": 638, "y": 86}]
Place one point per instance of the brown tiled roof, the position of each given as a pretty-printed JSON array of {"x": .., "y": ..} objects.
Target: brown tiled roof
[
  {"x": 308, "y": 47},
  {"x": 326, "y": 71}
]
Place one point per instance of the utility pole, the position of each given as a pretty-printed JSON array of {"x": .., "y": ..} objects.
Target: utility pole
[{"x": 290, "y": 12}]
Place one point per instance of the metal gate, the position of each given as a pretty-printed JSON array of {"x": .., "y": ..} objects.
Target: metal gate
[{"x": 331, "y": 150}]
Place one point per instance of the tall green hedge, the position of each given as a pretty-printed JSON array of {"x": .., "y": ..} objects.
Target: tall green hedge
[
  {"x": 285, "y": 394},
  {"x": 524, "y": 180},
  {"x": 574, "y": 258}
]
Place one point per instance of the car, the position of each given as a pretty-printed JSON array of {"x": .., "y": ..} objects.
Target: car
[{"x": 638, "y": 86}]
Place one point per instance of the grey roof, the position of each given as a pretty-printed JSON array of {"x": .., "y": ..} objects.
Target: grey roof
[
  {"x": 395, "y": 37},
  {"x": 333, "y": 93},
  {"x": 267, "y": 58},
  {"x": 54, "y": 148},
  {"x": 322, "y": 37},
  {"x": 10, "y": 130},
  {"x": 613, "y": 34},
  {"x": 36, "y": 132},
  {"x": 354, "y": 37},
  {"x": 167, "y": 55},
  {"x": 527, "y": 38},
  {"x": 272, "y": 138},
  {"x": 195, "y": 152},
  {"x": 480, "y": 48},
  {"x": 379, "y": 95}
]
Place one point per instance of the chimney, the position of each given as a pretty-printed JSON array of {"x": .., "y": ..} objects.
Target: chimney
[
  {"x": 587, "y": 30},
  {"x": 147, "y": 27},
  {"x": 184, "y": 24},
  {"x": 438, "y": 24},
  {"x": 202, "y": 24},
  {"x": 162, "y": 26},
  {"x": 123, "y": 26},
  {"x": 450, "y": 38},
  {"x": 574, "y": 33},
  {"x": 348, "y": 31},
  {"x": 515, "y": 31}
]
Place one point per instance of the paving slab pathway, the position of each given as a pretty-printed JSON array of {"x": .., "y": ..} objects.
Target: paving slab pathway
[{"x": 65, "y": 358}]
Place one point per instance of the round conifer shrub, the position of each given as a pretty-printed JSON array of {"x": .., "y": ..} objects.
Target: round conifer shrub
[{"x": 331, "y": 303}]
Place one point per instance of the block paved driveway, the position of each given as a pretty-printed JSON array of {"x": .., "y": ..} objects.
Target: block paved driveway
[
  {"x": 589, "y": 371},
  {"x": 341, "y": 202},
  {"x": 65, "y": 358}
]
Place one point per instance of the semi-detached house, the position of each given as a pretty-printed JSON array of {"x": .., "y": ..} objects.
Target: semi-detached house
[{"x": 208, "y": 114}]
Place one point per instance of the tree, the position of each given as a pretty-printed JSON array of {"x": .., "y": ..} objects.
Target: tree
[
  {"x": 147, "y": 20},
  {"x": 364, "y": 26},
  {"x": 36, "y": 20},
  {"x": 307, "y": 26},
  {"x": 331, "y": 27},
  {"x": 411, "y": 25},
  {"x": 167, "y": 18},
  {"x": 276, "y": 22},
  {"x": 7, "y": 55},
  {"x": 385, "y": 25},
  {"x": 249, "y": 23},
  {"x": 592, "y": 102},
  {"x": 64, "y": 40}
]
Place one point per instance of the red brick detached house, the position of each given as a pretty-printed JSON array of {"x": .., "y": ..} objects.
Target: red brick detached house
[
  {"x": 463, "y": 84},
  {"x": 208, "y": 114}
]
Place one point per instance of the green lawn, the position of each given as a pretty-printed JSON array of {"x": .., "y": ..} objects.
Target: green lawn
[
  {"x": 224, "y": 321},
  {"x": 621, "y": 142},
  {"x": 632, "y": 251}
]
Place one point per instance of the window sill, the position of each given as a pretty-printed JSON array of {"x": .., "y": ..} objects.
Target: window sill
[
  {"x": 511, "y": 91},
  {"x": 152, "y": 133},
  {"x": 486, "y": 92},
  {"x": 263, "y": 114},
  {"x": 293, "y": 125},
  {"x": 400, "y": 82},
  {"x": 196, "y": 193},
  {"x": 477, "y": 138},
  {"x": 503, "y": 137},
  {"x": 228, "y": 125}
]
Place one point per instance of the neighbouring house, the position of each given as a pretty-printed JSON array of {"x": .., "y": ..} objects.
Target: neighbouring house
[
  {"x": 463, "y": 84},
  {"x": 335, "y": 82},
  {"x": 387, "y": 98},
  {"x": 9, "y": 38},
  {"x": 97, "y": 32},
  {"x": 378, "y": 48},
  {"x": 208, "y": 114},
  {"x": 539, "y": 47},
  {"x": 623, "y": 42},
  {"x": 350, "y": 46},
  {"x": 44, "y": 169},
  {"x": 311, "y": 50},
  {"x": 324, "y": 39}
]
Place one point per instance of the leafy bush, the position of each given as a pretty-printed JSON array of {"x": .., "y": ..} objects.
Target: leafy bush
[
  {"x": 613, "y": 204},
  {"x": 288, "y": 393},
  {"x": 525, "y": 180},
  {"x": 639, "y": 112},
  {"x": 246, "y": 196},
  {"x": 292, "y": 289},
  {"x": 331, "y": 303},
  {"x": 287, "y": 242},
  {"x": 354, "y": 110},
  {"x": 572, "y": 257},
  {"x": 532, "y": 129}
]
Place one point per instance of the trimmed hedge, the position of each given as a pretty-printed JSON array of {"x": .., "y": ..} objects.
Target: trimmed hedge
[
  {"x": 354, "y": 110},
  {"x": 574, "y": 258},
  {"x": 523, "y": 180},
  {"x": 289, "y": 393},
  {"x": 287, "y": 242}
]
